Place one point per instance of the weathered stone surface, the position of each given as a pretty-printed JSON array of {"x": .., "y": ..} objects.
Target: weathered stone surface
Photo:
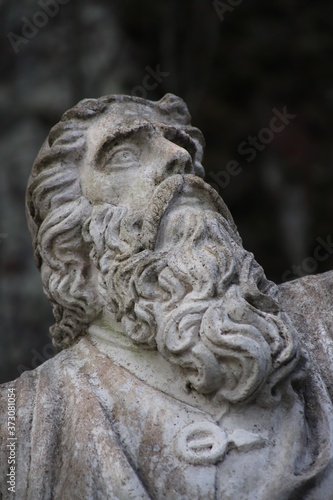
[{"x": 185, "y": 372}]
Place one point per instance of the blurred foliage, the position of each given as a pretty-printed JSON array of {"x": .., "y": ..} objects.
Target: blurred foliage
[{"x": 232, "y": 73}]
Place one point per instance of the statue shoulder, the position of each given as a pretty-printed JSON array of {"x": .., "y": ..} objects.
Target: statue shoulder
[
  {"x": 309, "y": 303},
  {"x": 309, "y": 295}
]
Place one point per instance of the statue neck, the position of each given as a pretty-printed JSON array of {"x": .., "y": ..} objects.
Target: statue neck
[{"x": 147, "y": 365}]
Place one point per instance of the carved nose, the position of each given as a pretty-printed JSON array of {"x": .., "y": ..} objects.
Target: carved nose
[{"x": 177, "y": 161}]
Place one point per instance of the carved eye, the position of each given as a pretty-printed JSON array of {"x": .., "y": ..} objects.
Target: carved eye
[{"x": 124, "y": 156}]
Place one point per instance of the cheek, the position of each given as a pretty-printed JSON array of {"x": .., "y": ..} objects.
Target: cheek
[
  {"x": 128, "y": 187},
  {"x": 96, "y": 187},
  {"x": 136, "y": 189}
]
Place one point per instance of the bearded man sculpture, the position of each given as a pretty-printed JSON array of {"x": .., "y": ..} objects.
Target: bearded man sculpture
[{"x": 185, "y": 373}]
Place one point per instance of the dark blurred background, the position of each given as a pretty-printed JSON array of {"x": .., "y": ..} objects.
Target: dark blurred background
[{"x": 236, "y": 66}]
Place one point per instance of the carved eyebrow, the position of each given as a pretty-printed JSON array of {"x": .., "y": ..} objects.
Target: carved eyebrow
[
  {"x": 173, "y": 134},
  {"x": 122, "y": 133}
]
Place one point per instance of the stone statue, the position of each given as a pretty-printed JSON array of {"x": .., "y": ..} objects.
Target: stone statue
[{"x": 185, "y": 373}]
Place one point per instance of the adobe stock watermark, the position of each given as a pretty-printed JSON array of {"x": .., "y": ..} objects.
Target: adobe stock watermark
[
  {"x": 48, "y": 352},
  {"x": 309, "y": 265},
  {"x": 31, "y": 27},
  {"x": 250, "y": 148},
  {"x": 152, "y": 79},
  {"x": 11, "y": 440},
  {"x": 221, "y": 8}
]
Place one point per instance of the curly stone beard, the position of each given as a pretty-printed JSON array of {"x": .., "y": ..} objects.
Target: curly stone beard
[{"x": 179, "y": 280}]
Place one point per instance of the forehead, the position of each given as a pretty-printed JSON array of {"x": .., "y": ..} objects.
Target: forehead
[{"x": 124, "y": 117}]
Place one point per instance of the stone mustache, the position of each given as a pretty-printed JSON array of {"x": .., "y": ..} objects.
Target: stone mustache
[{"x": 185, "y": 373}]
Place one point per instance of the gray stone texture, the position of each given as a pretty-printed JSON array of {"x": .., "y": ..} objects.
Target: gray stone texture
[{"x": 184, "y": 372}]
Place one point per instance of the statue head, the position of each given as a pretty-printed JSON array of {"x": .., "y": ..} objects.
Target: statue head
[
  {"x": 123, "y": 225},
  {"x": 67, "y": 177}
]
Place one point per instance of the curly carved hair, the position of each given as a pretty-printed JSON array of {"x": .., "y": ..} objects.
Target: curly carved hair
[{"x": 57, "y": 210}]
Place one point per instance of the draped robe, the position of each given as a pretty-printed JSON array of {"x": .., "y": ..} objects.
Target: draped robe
[{"x": 89, "y": 427}]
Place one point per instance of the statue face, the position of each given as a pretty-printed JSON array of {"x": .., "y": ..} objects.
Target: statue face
[{"x": 128, "y": 159}]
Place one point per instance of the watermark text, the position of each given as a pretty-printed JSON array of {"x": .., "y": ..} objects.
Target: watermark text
[
  {"x": 31, "y": 27},
  {"x": 222, "y": 8},
  {"x": 152, "y": 79},
  {"x": 250, "y": 147},
  {"x": 11, "y": 441},
  {"x": 309, "y": 265}
]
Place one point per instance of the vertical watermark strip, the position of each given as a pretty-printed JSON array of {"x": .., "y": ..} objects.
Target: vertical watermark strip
[{"x": 11, "y": 440}]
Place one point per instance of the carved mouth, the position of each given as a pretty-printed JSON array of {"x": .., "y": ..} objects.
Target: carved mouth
[
  {"x": 183, "y": 191},
  {"x": 194, "y": 198}
]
